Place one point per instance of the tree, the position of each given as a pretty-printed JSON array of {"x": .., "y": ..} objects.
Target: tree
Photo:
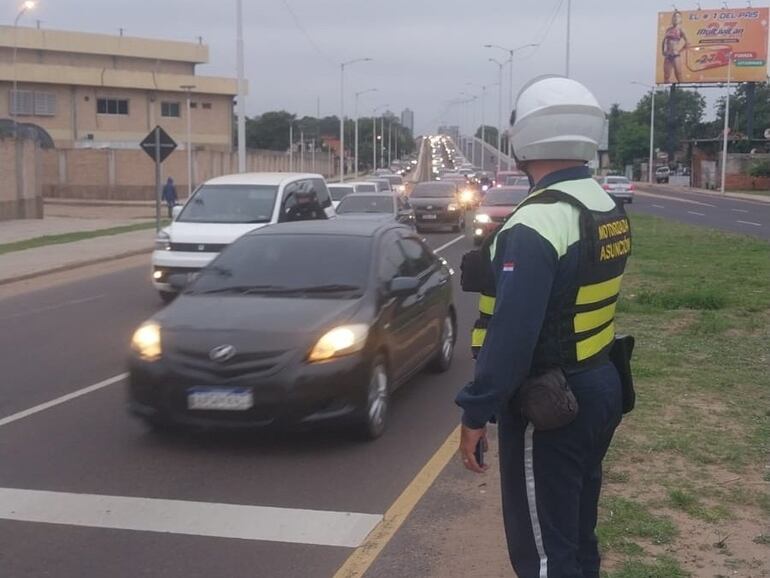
[{"x": 269, "y": 131}]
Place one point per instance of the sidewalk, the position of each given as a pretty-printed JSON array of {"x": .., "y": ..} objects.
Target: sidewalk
[
  {"x": 456, "y": 530},
  {"x": 34, "y": 262},
  {"x": 667, "y": 189}
]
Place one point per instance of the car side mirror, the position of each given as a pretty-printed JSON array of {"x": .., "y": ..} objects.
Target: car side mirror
[
  {"x": 178, "y": 281},
  {"x": 176, "y": 211},
  {"x": 403, "y": 286}
]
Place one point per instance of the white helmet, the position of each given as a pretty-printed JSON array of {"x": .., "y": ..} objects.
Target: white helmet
[{"x": 556, "y": 118}]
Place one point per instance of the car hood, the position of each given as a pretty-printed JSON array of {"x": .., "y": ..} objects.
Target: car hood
[
  {"x": 497, "y": 210},
  {"x": 209, "y": 233},
  {"x": 251, "y": 323},
  {"x": 424, "y": 202}
]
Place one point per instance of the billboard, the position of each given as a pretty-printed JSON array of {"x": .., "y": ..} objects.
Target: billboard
[{"x": 696, "y": 46}]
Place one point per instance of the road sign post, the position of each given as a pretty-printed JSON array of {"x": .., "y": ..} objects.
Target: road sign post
[{"x": 158, "y": 145}]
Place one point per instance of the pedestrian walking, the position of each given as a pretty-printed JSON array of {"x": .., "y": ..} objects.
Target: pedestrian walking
[
  {"x": 169, "y": 196},
  {"x": 545, "y": 368}
]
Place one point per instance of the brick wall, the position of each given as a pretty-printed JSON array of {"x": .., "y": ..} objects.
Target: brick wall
[{"x": 130, "y": 174}]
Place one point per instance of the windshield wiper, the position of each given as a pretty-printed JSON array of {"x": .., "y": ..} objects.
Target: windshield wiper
[
  {"x": 330, "y": 288},
  {"x": 243, "y": 289}
]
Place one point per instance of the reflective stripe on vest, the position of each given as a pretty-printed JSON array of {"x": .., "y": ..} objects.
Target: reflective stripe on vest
[{"x": 487, "y": 304}]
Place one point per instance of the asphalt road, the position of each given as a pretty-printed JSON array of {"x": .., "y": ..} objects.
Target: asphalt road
[
  {"x": 59, "y": 339},
  {"x": 725, "y": 213}
]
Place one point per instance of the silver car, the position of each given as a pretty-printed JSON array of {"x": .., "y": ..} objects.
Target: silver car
[{"x": 619, "y": 188}]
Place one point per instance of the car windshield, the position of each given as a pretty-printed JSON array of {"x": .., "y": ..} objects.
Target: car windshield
[
  {"x": 433, "y": 190},
  {"x": 617, "y": 181},
  {"x": 503, "y": 197},
  {"x": 333, "y": 266},
  {"x": 517, "y": 182},
  {"x": 366, "y": 188},
  {"x": 339, "y": 192},
  {"x": 395, "y": 180},
  {"x": 366, "y": 204},
  {"x": 230, "y": 204}
]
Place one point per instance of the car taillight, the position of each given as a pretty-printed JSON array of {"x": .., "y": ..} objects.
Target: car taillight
[
  {"x": 631, "y": 187},
  {"x": 606, "y": 187}
]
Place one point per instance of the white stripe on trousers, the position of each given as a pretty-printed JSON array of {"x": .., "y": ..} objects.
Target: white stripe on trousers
[{"x": 529, "y": 474}]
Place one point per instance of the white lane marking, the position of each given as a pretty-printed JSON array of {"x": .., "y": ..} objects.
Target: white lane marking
[
  {"x": 112, "y": 380},
  {"x": 740, "y": 210},
  {"x": 659, "y": 206},
  {"x": 295, "y": 526},
  {"x": 48, "y": 308},
  {"x": 63, "y": 399},
  {"x": 446, "y": 245},
  {"x": 695, "y": 213},
  {"x": 749, "y": 223},
  {"x": 673, "y": 198}
]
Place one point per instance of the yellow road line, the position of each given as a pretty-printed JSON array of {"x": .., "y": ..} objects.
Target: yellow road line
[{"x": 363, "y": 557}]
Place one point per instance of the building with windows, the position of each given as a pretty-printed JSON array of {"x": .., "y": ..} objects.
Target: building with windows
[
  {"x": 407, "y": 119},
  {"x": 102, "y": 91}
]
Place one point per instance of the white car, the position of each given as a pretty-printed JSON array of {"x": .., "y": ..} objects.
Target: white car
[
  {"x": 220, "y": 211},
  {"x": 364, "y": 187},
  {"x": 339, "y": 192}
]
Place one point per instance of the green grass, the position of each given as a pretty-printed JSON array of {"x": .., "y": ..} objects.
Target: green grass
[
  {"x": 73, "y": 237},
  {"x": 664, "y": 567},
  {"x": 698, "y": 302},
  {"x": 761, "y": 192}
]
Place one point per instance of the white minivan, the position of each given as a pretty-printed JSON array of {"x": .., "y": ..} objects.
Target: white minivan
[{"x": 220, "y": 211}]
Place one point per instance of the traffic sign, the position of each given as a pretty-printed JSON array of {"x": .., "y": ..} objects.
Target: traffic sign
[{"x": 158, "y": 138}]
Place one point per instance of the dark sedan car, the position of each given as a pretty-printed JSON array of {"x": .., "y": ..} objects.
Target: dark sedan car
[
  {"x": 437, "y": 204},
  {"x": 296, "y": 324},
  {"x": 377, "y": 204}
]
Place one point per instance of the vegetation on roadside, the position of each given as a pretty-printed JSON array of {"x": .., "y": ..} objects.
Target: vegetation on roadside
[
  {"x": 690, "y": 464},
  {"x": 72, "y": 237}
]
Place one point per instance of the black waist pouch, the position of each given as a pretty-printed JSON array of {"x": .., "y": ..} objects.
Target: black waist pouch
[
  {"x": 474, "y": 272},
  {"x": 546, "y": 400},
  {"x": 620, "y": 356}
]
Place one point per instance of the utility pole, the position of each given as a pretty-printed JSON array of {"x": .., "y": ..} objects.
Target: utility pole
[
  {"x": 358, "y": 94},
  {"x": 188, "y": 88},
  {"x": 342, "y": 112},
  {"x": 499, "y": 112},
  {"x": 569, "y": 33},
  {"x": 241, "y": 90},
  {"x": 727, "y": 124}
]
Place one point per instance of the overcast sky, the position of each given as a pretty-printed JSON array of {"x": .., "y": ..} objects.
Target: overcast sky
[{"x": 424, "y": 51}]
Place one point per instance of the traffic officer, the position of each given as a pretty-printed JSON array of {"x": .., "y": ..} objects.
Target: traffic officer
[{"x": 558, "y": 263}]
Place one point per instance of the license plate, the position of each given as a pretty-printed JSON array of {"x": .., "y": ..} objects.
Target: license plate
[
  {"x": 429, "y": 217},
  {"x": 218, "y": 398}
]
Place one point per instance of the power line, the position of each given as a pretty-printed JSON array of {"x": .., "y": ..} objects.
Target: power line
[
  {"x": 305, "y": 33},
  {"x": 546, "y": 29}
]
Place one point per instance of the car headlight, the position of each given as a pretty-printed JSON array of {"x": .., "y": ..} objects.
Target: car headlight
[
  {"x": 340, "y": 341},
  {"x": 485, "y": 187},
  {"x": 163, "y": 241},
  {"x": 146, "y": 341},
  {"x": 466, "y": 196},
  {"x": 483, "y": 218},
  {"x": 452, "y": 207}
]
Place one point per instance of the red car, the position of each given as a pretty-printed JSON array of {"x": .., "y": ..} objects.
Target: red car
[{"x": 494, "y": 210}]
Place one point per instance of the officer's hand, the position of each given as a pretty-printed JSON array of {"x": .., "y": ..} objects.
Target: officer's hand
[{"x": 469, "y": 438}]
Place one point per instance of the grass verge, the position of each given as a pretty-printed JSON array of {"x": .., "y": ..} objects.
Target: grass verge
[
  {"x": 691, "y": 461},
  {"x": 72, "y": 237}
]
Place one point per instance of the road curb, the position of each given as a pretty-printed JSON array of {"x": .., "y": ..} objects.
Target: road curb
[
  {"x": 664, "y": 190},
  {"x": 75, "y": 265}
]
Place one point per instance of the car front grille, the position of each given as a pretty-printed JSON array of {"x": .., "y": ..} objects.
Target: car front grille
[
  {"x": 198, "y": 247},
  {"x": 198, "y": 365}
]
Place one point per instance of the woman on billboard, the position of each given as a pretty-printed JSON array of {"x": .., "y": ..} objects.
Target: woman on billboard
[{"x": 674, "y": 43}]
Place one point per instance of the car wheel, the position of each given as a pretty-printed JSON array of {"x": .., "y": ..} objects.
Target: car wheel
[
  {"x": 375, "y": 417},
  {"x": 160, "y": 426},
  {"x": 418, "y": 228},
  {"x": 167, "y": 296},
  {"x": 443, "y": 360}
]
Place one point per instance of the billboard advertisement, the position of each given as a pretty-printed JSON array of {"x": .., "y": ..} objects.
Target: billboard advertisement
[{"x": 696, "y": 46}]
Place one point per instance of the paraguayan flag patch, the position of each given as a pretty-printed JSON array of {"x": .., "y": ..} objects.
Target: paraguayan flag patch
[{"x": 509, "y": 267}]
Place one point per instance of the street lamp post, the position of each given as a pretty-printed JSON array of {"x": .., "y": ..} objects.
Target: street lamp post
[
  {"x": 374, "y": 134},
  {"x": 358, "y": 94},
  {"x": 342, "y": 112},
  {"x": 28, "y": 5},
  {"x": 569, "y": 37},
  {"x": 499, "y": 112},
  {"x": 652, "y": 127},
  {"x": 188, "y": 89},
  {"x": 511, "y": 52},
  {"x": 241, "y": 89},
  {"x": 727, "y": 124}
]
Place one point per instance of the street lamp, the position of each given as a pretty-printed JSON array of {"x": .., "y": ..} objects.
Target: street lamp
[
  {"x": 374, "y": 134},
  {"x": 358, "y": 94},
  {"x": 241, "y": 89},
  {"x": 484, "y": 88},
  {"x": 342, "y": 112},
  {"x": 511, "y": 52},
  {"x": 471, "y": 98},
  {"x": 499, "y": 111},
  {"x": 28, "y": 5},
  {"x": 188, "y": 88},
  {"x": 652, "y": 126}
]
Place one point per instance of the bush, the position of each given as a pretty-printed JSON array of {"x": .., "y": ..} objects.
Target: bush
[{"x": 760, "y": 169}]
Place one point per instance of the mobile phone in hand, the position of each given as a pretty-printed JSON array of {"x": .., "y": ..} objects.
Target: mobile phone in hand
[{"x": 478, "y": 453}]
